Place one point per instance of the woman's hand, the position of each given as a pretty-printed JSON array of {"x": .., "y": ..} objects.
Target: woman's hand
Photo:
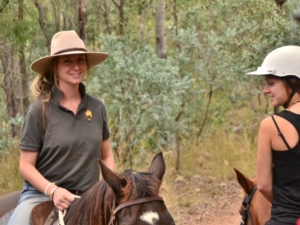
[{"x": 62, "y": 198}]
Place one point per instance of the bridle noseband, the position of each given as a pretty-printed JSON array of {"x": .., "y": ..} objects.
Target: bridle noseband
[
  {"x": 245, "y": 207},
  {"x": 133, "y": 202}
]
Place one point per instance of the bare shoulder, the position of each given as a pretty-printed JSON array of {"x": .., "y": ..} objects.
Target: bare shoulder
[
  {"x": 267, "y": 123},
  {"x": 267, "y": 126}
]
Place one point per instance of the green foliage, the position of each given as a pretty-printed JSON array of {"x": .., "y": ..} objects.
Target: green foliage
[
  {"x": 143, "y": 95},
  {"x": 215, "y": 43},
  {"x": 5, "y": 138}
]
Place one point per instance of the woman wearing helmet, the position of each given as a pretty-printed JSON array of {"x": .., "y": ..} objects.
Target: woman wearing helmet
[{"x": 278, "y": 156}]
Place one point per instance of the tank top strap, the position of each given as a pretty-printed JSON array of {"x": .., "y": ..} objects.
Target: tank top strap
[{"x": 279, "y": 133}]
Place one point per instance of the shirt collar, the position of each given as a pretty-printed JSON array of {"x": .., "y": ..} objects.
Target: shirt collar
[{"x": 57, "y": 94}]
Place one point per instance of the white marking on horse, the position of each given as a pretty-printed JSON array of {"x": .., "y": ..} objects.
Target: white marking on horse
[{"x": 150, "y": 217}]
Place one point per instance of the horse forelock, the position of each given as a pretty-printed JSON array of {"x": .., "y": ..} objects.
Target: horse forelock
[{"x": 139, "y": 185}]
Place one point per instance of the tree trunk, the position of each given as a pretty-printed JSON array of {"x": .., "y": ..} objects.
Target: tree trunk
[
  {"x": 81, "y": 20},
  {"x": 56, "y": 15},
  {"x": 142, "y": 20},
  {"x": 205, "y": 114},
  {"x": 161, "y": 49},
  {"x": 175, "y": 17},
  {"x": 279, "y": 3},
  {"x": 12, "y": 85},
  {"x": 42, "y": 23},
  {"x": 174, "y": 13},
  {"x": 3, "y": 4},
  {"x": 23, "y": 98},
  {"x": 106, "y": 16},
  {"x": 15, "y": 77},
  {"x": 120, "y": 7}
]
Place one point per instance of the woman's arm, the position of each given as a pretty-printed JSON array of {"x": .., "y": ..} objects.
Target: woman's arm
[
  {"x": 264, "y": 159},
  {"x": 62, "y": 198},
  {"x": 107, "y": 155}
]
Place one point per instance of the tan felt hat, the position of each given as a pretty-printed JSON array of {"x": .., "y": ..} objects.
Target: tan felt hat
[{"x": 67, "y": 43}]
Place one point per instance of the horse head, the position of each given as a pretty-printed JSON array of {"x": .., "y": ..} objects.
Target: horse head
[
  {"x": 129, "y": 198},
  {"x": 137, "y": 195},
  {"x": 255, "y": 208}
]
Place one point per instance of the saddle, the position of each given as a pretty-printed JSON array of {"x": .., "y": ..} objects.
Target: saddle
[{"x": 44, "y": 213}]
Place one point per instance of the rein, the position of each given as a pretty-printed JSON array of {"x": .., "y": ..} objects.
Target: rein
[
  {"x": 246, "y": 204},
  {"x": 134, "y": 202},
  {"x": 62, "y": 213}
]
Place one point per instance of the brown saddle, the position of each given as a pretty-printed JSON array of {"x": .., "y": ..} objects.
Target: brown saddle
[{"x": 42, "y": 214}]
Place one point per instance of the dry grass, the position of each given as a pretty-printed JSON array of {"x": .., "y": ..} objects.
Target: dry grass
[
  {"x": 9, "y": 170},
  {"x": 206, "y": 165}
]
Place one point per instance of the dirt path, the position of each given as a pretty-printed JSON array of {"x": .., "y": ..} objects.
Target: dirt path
[{"x": 208, "y": 202}]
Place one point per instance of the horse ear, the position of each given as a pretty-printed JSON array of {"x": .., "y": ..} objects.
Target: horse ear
[
  {"x": 244, "y": 181},
  {"x": 158, "y": 166},
  {"x": 111, "y": 178}
]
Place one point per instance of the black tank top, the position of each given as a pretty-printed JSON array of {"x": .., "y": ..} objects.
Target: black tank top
[{"x": 286, "y": 178}]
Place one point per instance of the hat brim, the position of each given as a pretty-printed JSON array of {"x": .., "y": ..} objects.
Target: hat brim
[
  {"x": 42, "y": 65},
  {"x": 262, "y": 71}
]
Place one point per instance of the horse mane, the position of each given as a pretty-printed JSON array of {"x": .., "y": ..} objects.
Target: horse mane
[
  {"x": 98, "y": 200},
  {"x": 97, "y": 204}
]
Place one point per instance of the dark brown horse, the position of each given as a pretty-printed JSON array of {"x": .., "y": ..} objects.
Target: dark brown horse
[
  {"x": 255, "y": 209},
  {"x": 130, "y": 198}
]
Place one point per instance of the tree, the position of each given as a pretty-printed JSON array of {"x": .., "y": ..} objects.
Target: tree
[
  {"x": 279, "y": 3},
  {"x": 81, "y": 20},
  {"x": 105, "y": 9},
  {"x": 161, "y": 50},
  {"x": 12, "y": 56},
  {"x": 120, "y": 7}
]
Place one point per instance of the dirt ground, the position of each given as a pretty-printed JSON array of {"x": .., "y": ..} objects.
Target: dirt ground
[{"x": 207, "y": 201}]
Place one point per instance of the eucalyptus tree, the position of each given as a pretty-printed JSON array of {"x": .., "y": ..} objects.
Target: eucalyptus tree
[
  {"x": 12, "y": 56},
  {"x": 161, "y": 50},
  {"x": 142, "y": 94},
  {"x": 218, "y": 42},
  {"x": 120, "y": 6}
]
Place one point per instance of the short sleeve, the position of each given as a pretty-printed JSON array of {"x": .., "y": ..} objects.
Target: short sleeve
[{"x": 33, "y": 129}]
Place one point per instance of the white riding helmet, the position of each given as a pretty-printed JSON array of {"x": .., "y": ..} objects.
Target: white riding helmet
[{"x": 281, "y": 62}]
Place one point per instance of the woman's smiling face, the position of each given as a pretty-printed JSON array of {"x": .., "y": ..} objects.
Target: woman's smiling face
[
  {"x": 71, "y": 68},
  {"x": 277, "y": 90}
]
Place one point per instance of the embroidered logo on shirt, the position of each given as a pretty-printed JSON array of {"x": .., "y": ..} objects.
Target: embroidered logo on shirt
[{"x": 88, "y": 114}]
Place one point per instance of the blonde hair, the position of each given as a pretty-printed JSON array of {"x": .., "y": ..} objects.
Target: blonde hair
[{"x": 42, "y": 84}]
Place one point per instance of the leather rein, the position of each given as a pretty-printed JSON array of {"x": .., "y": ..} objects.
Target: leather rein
[
  {"x": 130, "y": 203},
  {"x": 246, "y": 204}
]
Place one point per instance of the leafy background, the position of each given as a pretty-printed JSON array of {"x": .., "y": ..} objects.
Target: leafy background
[{"x": 196, "y": 105}]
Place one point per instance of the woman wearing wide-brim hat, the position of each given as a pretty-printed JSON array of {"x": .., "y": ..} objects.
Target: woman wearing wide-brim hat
[{"x": 65, "y": 130}]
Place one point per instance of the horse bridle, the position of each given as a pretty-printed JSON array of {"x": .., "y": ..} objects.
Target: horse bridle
[
  {"x": 245, "y": 207},
  {"x": 130, "y": 203}
]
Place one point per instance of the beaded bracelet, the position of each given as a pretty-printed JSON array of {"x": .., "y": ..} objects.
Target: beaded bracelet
[
  {"x": 52, "y": 192},
  {"x": 46, "y": 189}
]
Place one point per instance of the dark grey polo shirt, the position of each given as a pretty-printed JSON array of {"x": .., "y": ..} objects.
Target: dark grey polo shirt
[{"x": 70, "y": 146}]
